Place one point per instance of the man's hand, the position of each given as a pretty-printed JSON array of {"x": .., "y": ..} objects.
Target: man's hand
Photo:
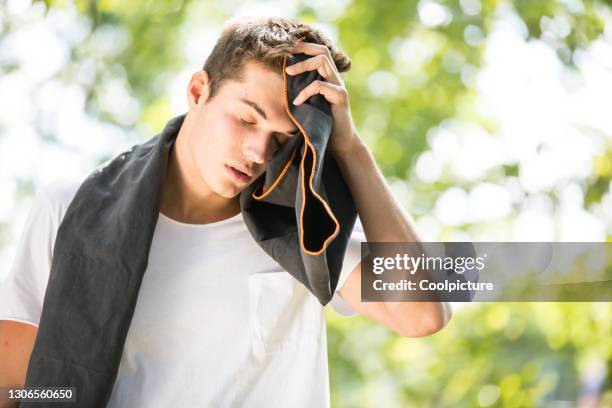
[{"x": 343, "y": 135}]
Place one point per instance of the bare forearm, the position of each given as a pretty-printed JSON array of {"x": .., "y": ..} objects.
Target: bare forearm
[
  {"x": 385, "y": 220},
  {"x": 382, "y": 217}
]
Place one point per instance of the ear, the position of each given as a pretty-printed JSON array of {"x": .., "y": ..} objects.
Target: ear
[{"x": 198, "y": 89}]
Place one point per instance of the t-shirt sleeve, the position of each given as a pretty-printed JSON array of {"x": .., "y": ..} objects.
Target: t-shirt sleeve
[
  {"x": 352, "y": 258},
  {"x": 23, "y": 290}
]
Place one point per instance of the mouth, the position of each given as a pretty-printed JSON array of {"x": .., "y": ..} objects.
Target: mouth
[{"x": 237, "y": 174}]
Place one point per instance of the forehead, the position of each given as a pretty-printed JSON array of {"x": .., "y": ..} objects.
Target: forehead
[{"x": 261, "y": 85}]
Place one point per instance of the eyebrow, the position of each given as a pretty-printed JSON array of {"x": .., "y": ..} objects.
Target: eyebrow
[{"x": 263, "y": 114}]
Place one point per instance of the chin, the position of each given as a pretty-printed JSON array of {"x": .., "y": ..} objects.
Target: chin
[
  {"x": 227, "y": 190},
  {"x": 230, "y": 194}
]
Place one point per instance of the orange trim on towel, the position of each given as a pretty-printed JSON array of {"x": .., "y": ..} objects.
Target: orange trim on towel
[
  {"x": 314, "y": 163},
  {"x": 278, "y": 179}
]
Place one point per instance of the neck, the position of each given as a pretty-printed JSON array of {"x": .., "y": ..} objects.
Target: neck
[{"x": 185, "y": 196}]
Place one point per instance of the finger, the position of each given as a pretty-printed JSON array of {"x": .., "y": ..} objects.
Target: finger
[
  {"x": 320, "y": 63},
  {"x": 309, "y": 48},
  {"x": 334, "y": 94},
  {"x": 313, "y": 49}
]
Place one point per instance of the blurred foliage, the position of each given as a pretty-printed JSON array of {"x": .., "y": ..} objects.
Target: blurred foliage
[
  {"x": 490, "y": 354},
  {"x": 373, "y": 33},
  {"x": 510, "y": 355}
]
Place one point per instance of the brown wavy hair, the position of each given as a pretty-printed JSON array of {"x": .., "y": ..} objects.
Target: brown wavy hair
[{"x": 264, "y": 40}]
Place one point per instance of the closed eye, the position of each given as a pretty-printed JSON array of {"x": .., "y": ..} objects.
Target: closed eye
[
  {"x": 245, "y": 123},
  {"x": 279, "y": 142}
]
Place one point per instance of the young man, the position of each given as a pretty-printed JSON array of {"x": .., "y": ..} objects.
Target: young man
[{"x": 217, "y": 321}]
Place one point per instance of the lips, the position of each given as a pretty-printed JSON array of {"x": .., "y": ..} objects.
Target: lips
[
  {"x": 243, "y": 170},
  {"x": 238, "y": 174}
]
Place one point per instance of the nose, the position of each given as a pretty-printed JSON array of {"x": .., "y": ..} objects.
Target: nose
[{"x": 257, "y": 147}]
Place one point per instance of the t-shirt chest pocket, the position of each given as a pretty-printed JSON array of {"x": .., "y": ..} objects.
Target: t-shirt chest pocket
[{"x": 283, "y": 314}]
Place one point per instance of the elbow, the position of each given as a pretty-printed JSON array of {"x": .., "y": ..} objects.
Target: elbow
[
  {"x": 429, "y": 324},
  {"x": 421, "y": 330}
]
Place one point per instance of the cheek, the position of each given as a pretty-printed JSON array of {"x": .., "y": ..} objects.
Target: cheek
[
  {"x": 230, "y": 125},
  {"x": 209, "y": 144},
  {"x": 204, "y": 153},
  {"x": 230, "y": 133},
  {"x": 216, "y": 142}
]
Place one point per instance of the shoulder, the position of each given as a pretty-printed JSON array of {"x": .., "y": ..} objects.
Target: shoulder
[
  {"x": 56, "y": 195},
  {"x": 22, "y": 291}
]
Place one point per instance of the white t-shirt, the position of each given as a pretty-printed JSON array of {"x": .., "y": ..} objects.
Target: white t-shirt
[{"x": 217, "y": 322}]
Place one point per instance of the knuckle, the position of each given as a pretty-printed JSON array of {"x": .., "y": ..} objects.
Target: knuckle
[
  {"x": 328, "y": 56},
  {"x": 325, "y": 50},
  {"x": 321, "y": 58}
]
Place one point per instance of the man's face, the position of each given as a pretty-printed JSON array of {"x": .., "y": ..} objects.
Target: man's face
[{"x": 239, "y": 129}]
